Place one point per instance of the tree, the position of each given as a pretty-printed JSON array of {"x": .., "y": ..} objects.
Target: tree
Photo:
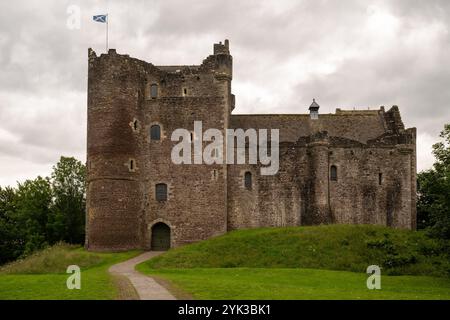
[
  {"x": 11, "y": 246},
  {"x": 67, "y": 219},
  {"x": 43, "y": 211},
  {"x": 32, "y": 202},
  {"x": 433, "y": 208}
]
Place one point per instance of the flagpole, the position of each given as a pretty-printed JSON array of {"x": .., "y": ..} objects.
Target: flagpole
[{"x": 107, "y": 27}]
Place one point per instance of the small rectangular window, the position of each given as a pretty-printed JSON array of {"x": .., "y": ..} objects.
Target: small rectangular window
[
  {"x": 215, "y": 175},
  {"x": 161, "y": 192},
  {"x": 248, "y": 180},
  {"x": 132, "y": 165},
  {"x": 333, "y": 173},
  {"x": 154, "y": 91},
  {"x": 380, "y": 179},
  {"x": 155, "y": 132}
]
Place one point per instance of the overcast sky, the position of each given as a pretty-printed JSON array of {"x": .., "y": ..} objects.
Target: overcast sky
[{"x": 344, "y": 53}]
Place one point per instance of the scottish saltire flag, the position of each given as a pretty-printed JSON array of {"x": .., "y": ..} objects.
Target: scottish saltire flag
[{"x": 100, "y": 18}]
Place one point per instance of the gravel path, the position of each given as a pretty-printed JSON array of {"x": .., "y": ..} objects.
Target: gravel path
[{"x": 146, "y": 287}]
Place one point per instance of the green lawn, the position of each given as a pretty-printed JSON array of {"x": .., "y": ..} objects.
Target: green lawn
[
  {"x": 42, "y": 276},
  {"x": 297, "y": 263},
  {"x": 281, "y": 284}
]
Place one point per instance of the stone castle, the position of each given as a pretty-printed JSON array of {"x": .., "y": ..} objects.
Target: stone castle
[{"x": 351, "y": 167}]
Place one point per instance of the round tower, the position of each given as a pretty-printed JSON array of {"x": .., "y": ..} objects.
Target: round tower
[
  {"x": 113, "y": 187},
  {"x": 319, "y": 210}
]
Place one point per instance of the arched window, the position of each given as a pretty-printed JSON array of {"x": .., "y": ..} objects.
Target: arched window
[
  {"x": 154, "y": 91},
  {"x": 155, "y": 132},
  {"x": 333, "y": 173},
  {"x": 161, "y": 192},
  {"x": 248, "y": 180}
]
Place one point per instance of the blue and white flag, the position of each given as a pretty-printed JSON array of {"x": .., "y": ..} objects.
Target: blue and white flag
[{"x": 101, "y": 18}]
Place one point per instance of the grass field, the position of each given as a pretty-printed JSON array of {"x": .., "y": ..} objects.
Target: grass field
[
  {"x": 43, "y": 275},
  {"x": 297, "y": 263},
  {"x": 273, "y": 284}
]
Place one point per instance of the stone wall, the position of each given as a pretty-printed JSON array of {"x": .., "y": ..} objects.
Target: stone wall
[{"x": 375, "y": 180}]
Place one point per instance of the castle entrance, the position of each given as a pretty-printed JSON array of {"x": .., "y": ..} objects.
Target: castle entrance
[{"x": 160, "y": 237}]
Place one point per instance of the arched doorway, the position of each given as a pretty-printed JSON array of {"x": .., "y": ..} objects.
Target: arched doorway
[{"x": 160, "y": 237}]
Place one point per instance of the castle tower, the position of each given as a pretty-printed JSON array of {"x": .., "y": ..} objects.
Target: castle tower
[
  {"x": 137, "y": 196},
  {"x": 113, "y": 191}
]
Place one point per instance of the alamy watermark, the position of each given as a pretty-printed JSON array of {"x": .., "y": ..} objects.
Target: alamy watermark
[
  {"x": 74, "y": 17},
  {"x": 190, "y": 149},
  {"x": 74, "y": 280},
  {"x": 374, "y": 280}
]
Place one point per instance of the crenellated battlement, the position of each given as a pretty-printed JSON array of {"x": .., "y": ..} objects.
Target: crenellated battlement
[{"x": 219, "y": 63}]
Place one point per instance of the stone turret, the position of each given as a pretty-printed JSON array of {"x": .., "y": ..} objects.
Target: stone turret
[
  {"x": 314, "y": 110},
  {"x": 220, "y": 48},
  {"x": 318, "y": 150}
]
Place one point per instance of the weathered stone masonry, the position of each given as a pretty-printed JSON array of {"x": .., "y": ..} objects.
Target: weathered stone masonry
[{"x": 373, "y": 155}]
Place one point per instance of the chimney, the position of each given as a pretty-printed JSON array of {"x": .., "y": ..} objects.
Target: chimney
[{"x": 220, "y": 48}]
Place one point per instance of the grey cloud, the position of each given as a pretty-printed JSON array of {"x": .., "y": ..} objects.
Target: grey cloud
[{"x": 43, "y": 64}]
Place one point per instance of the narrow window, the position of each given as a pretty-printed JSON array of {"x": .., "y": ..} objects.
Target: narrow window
[
  {"x": 154, "y": 91},
  {"x": 131, "y": 165},
  {"x": 185, "y": 91},
  {"x": 380, "y": 178},
  {"x": 135, "y": 125},
  {"x": 161, "y": 192},
  {"x": 155, "y": 132},
  {"x": 333, "y": 173},
  {"x": 215, "y": 174},
  {"x": 248, "y": 180}
]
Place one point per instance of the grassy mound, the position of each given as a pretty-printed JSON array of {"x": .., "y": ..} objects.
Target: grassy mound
[
  {"x": 333, "y": 247},
  {"x": 54, "y": 259}
]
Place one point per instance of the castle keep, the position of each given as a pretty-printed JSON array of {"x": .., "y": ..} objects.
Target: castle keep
[{"x": 354, "y": 167}]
